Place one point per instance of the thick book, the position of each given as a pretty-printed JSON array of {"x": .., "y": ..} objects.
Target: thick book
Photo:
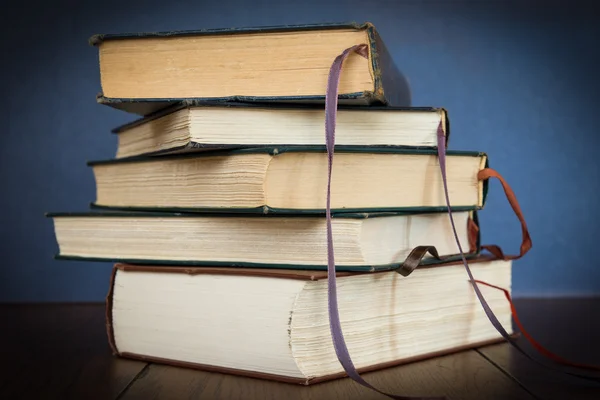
[
  {"x": 144, "y": 72},
  {"x": 362, "y": 242},
  {"x": 292, "y": 180},
  {"x": 193, "y": 126},
  {"x": 273, "y": 324}
]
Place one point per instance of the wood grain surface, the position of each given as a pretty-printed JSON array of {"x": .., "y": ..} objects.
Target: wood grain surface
[{"x": 61, "y": 352}]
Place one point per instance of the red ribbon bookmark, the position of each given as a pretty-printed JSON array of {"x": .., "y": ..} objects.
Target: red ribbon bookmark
[{"x": 530, "y": 338}]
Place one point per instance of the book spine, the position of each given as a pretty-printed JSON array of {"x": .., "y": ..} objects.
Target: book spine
[{"x": 391, "y": 86}]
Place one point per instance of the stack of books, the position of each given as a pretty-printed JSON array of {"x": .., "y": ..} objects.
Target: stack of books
[{"x": 213, "y": 208}]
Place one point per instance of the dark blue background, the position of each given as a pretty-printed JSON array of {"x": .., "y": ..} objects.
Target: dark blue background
[{"x": 520, "y": 81}]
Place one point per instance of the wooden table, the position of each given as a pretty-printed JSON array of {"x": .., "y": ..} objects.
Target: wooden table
[{"x": 61, "y": 352}]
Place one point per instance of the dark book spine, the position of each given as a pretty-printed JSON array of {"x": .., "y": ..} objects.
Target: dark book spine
[{"x": 390, "y": 84}]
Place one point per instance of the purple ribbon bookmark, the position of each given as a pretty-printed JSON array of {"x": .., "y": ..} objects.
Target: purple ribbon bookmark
[
  {"x": 339, "y": 344},
  {"x": 341, "y": 350}
]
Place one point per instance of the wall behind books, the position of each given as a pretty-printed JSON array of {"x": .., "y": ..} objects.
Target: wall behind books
[{"x": 519, "y": 80}]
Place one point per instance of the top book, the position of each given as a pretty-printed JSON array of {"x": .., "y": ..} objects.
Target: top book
[{"x": 144, "y": 72}]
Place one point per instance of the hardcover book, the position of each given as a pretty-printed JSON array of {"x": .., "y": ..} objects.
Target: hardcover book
[
  {"x": 193, "y": 126},
  {"x": 362, "y": 242},
  {"x": 273, "y": 324},
  {"x": 144, "y": 72},
  {"x": 292, "y": 180}
]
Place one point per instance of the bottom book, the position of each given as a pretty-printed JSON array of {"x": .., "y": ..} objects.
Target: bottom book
[{"x": 273, "y": 324}]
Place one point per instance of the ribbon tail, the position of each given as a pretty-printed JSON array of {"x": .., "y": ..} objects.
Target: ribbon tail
[
  {"x": 525, "y": 247},
  {"x": 339, "y": 343}
]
